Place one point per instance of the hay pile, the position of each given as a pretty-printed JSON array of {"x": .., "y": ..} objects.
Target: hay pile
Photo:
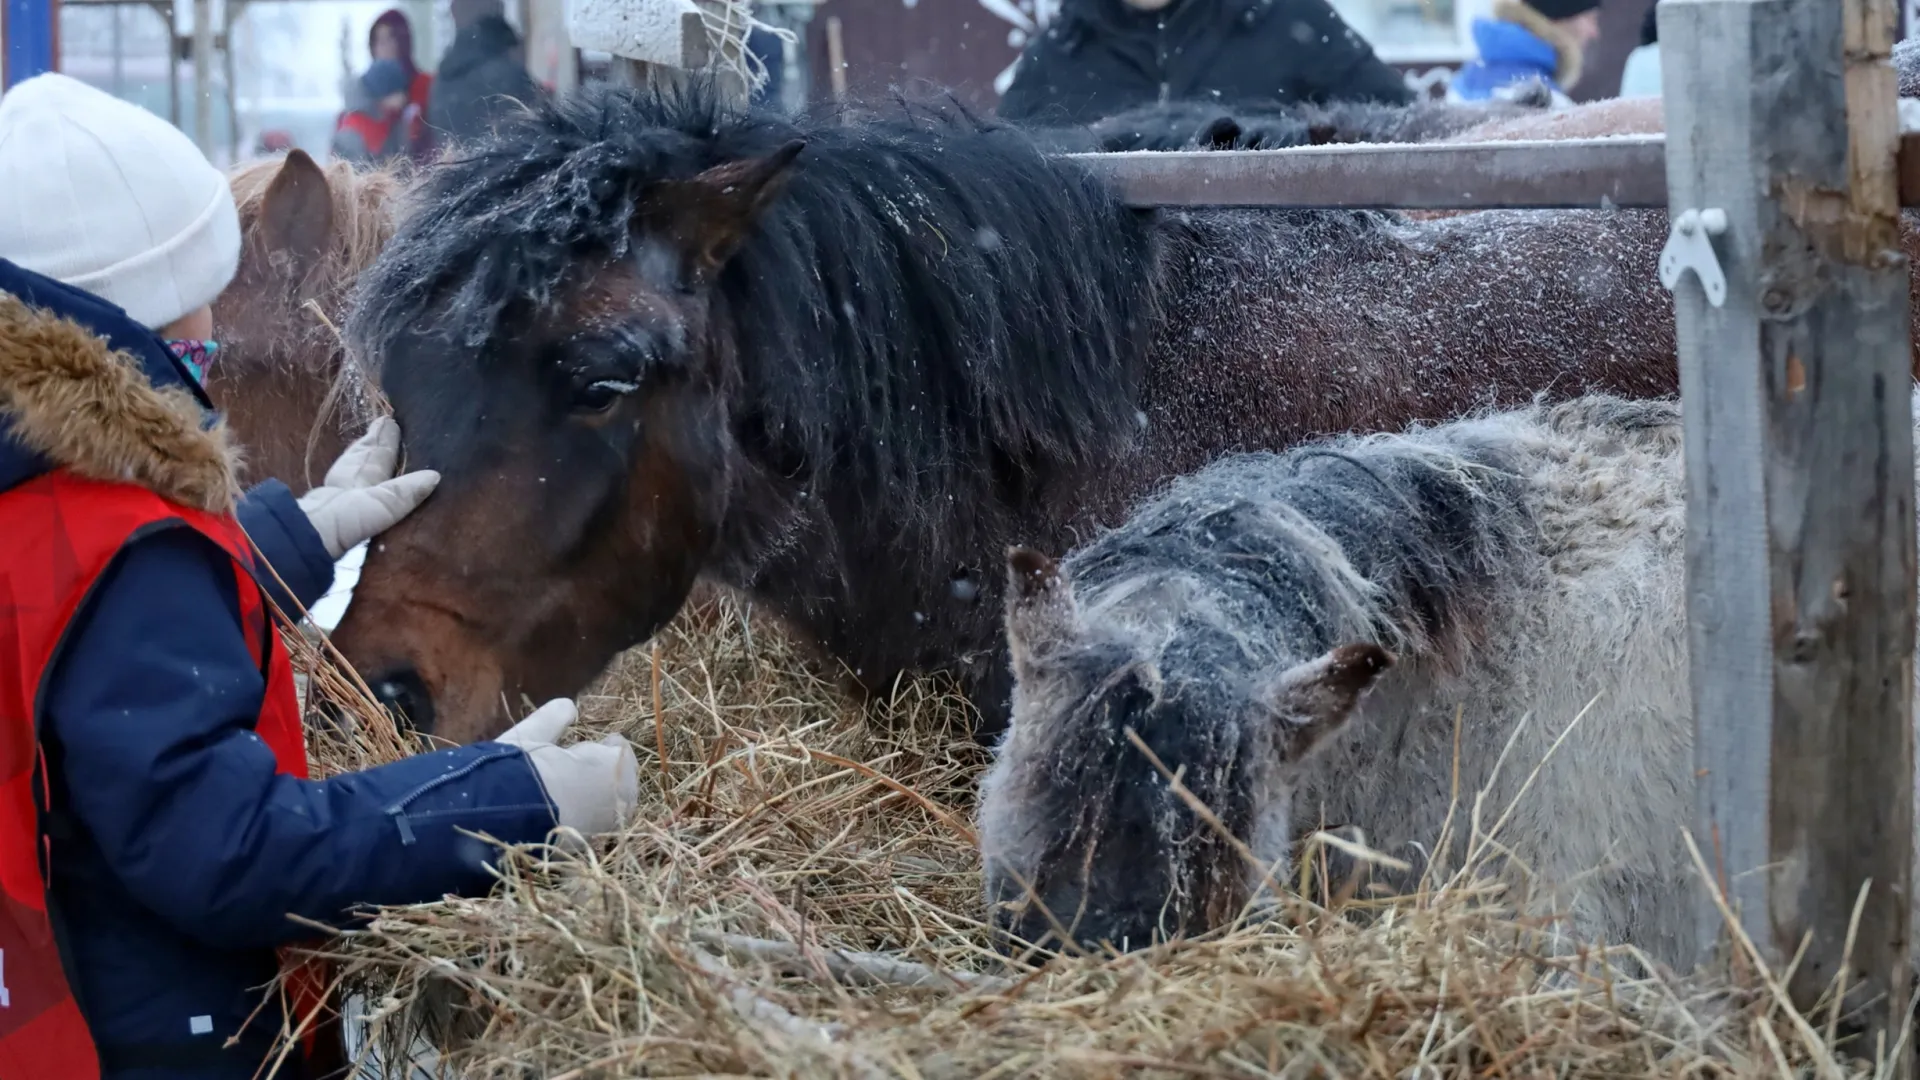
[{"x": 800, "y": 898}]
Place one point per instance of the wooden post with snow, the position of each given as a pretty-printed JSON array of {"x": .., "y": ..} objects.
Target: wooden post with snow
[
  {"x": 1791, "y": 293},
  {"x": 658, "y": 42}
]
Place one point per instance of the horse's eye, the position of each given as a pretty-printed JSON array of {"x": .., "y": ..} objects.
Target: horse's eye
[{"x": 600, "y": 396}]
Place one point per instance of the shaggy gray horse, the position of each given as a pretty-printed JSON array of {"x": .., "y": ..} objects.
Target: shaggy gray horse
[{"x": 1295, "y": 636}]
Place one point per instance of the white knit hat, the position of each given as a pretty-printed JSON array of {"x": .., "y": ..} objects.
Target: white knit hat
[{"x": 105, "y": 196}]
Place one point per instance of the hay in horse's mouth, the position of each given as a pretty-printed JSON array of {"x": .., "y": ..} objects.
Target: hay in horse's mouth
[{"x": 784, "y": 842}]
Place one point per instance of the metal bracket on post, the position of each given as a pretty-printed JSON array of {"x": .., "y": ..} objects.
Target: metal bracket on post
[{"x": 1690, "y": 247}]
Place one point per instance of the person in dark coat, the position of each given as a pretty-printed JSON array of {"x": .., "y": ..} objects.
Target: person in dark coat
[
  {"x": 1103, "y": 57},
  {"x": 483, "y": 74},
  {"x": 159, "y": 837}
]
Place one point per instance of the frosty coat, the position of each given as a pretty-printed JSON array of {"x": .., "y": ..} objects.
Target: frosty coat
[
  {"x": 1101, "y": 57},
  {"x": 178, "y": 853}
]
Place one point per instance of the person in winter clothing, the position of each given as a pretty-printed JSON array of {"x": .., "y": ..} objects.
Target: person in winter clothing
[
  {"x": 376, "y": 125},
  {"x": 158, "y": 831},
  {"x": 1099, "y": 58},
  {"x": 391, "y": 38},
  {"x": 1524, "y": 44},
  {"x": 1641, "y": 76},
  {"x": 482, "y": 74}
]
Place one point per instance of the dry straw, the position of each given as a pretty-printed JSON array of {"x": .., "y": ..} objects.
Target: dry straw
[{"x": 800, "y": 897}]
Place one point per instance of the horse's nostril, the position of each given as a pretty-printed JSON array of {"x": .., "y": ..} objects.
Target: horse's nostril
[{"x": 404, "y": 694}]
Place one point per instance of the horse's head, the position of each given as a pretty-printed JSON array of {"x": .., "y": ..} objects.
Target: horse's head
[
  {"x": 546, "y": 338},
  {"x": 1082, "y": 833},
  {"x": 308, "y": 233}
]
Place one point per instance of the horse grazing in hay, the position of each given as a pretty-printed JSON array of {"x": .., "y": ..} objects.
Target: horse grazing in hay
[
  {"x": 1296, "y": 634},
  {"x": 307, "y": 232},
  {"x": 843, "y": 363}
]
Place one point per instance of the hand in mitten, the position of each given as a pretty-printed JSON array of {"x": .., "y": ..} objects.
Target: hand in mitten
[
  {"x": 593, "y": 786},
  {"x": 361, "y": 498}
]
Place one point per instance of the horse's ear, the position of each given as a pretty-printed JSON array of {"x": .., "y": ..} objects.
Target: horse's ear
[
  {"x": 1311, "y": 701},
  {"x": 296, "y": 212},
  {"x": 712, "y": 214},
  {"x": 1041, "y": 614}
]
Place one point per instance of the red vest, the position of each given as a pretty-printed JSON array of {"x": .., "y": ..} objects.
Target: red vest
[
  {"x": 60, "y": 533},
  {"x": 371, "y": 131}
]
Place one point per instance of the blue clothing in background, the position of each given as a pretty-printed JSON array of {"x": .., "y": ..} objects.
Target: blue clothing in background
[{"x": 1510, "y": 57}]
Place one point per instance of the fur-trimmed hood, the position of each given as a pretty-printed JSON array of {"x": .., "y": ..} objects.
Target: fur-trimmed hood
[{"x": 84, "y": 387}]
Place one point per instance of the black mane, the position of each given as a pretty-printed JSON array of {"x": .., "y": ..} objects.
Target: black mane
[{"x": 933, "y": 305}]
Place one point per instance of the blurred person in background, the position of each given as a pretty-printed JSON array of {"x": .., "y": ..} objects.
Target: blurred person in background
[
  {"x": 1641, "y": 77},
  {"x": 1527, "y": 44},
  {"x": 159, "y": 835},
  {"x": 1102, "y": 57},
  {"x": 482, "y": 76},
  {"x": 374, "y": 130},
  {"x": 391, "y": 38}
]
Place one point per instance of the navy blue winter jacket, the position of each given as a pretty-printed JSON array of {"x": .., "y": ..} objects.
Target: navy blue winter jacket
[
  {"x": 1101, "y": 58},
  {"x": 179, "y": 852}
]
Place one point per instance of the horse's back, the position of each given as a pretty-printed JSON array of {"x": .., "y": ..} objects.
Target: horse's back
[{"x": 1590, "y": 625}]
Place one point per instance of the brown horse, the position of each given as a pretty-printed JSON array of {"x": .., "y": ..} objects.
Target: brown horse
[
  {"x": 643, "y": 339},
  {"x": 307, "y": 233}
]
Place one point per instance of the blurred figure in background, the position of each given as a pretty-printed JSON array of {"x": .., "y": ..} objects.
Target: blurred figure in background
[
  {"x": 1641, "y": 77},
  {"x": 374, "y": 129},
  {"x": 1544, "y": 41},
  {"x": 483, "y": 74},
  {"x": 1102, "y": 57},
  {"x": 391, "y": 38}
]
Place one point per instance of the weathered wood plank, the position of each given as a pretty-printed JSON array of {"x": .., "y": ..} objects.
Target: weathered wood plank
[
  {"x": 1799, "y": 449},
  {"x": 1628, "y": 171},
  {"x": 1591, "y": 173}
]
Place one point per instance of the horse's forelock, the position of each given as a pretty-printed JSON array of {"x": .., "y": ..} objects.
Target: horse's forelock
[{"x": 929, "y": 285}]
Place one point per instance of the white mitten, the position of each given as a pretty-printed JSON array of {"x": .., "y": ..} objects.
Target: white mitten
[
  {"x": 361, "y": 498},
  {"x": 594, "y": 786}
]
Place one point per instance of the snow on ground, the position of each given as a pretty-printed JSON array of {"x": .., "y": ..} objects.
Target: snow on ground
[{"x": 327, "y": 612}]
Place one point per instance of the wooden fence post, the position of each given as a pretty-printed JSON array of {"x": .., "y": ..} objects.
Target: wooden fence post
[{"x": 1800, "y": 485}]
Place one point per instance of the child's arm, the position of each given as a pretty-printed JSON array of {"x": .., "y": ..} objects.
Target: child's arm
[
  {"x": 149, "y": 714},
  {"x": 282, "y": 535}
]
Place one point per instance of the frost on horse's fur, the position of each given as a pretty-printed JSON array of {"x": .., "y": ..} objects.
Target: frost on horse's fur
[{"x": 1517, "y": 566}]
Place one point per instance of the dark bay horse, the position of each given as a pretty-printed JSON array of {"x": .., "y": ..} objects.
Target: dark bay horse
[
  {"x": 844, "y": 363},
  {"x": 307, "y": 233}
]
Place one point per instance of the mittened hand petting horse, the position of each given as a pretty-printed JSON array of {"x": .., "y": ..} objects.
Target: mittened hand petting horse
[{"x": 361, "y": 498}]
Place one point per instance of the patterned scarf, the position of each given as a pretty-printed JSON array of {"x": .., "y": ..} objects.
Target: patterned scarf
[{"x": 194, "y": 355}]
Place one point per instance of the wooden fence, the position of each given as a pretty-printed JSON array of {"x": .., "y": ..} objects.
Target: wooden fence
[{"x": 1785, "y": 161}]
